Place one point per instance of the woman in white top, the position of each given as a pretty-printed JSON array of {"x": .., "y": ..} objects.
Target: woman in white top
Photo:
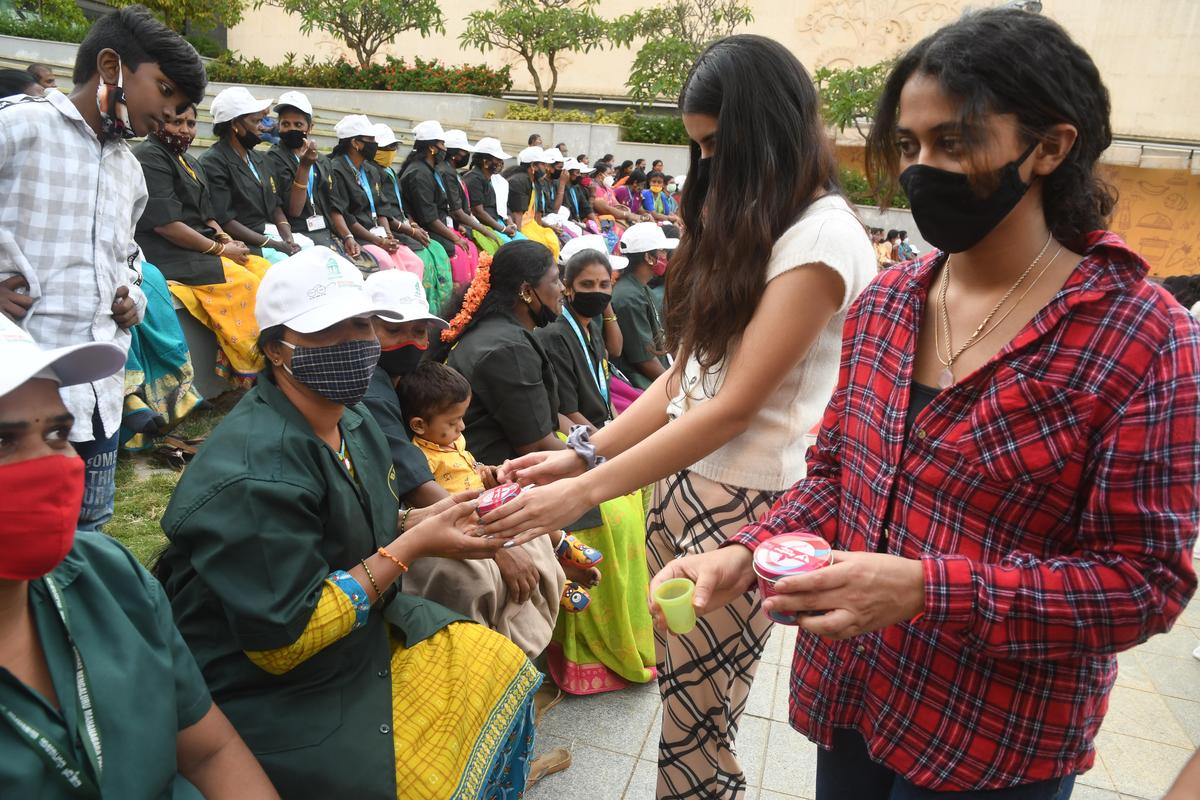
[{"x": 754, "y": 309}]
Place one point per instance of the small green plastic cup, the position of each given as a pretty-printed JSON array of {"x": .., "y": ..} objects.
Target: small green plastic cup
[{"x": 674, "y": 597}]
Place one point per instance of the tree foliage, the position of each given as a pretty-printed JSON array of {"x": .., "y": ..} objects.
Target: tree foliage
[
  {"x": 364, "y": 26},
  {"x": 849, "y": 96},
  {"x": 186, "y": 16},
  {"x": 672, "y": 35},
  {"x": 537, "y": 31}
]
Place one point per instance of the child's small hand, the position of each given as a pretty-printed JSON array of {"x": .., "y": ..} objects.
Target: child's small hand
[{"x": 487, "y": 475}]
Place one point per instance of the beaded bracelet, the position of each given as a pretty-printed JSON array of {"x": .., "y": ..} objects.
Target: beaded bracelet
[
  {"x": 370, "y": 577},
  {"x": 358, "y": 596},
  {"x": 383, "y": 552}
]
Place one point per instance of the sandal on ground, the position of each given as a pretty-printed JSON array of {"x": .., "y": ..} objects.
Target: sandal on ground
[
  {"x": 548, "y": 763},
  {"x": 545, "y": 699}
]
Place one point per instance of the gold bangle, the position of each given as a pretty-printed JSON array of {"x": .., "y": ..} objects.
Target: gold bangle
[
  {"x": 299, "y": 185},
  {"x": 370, "y": 577},
  {"x": 610, "y": 319},
  {"x": 265, "y": 240},
  {"x": 404, "y": 520},
  {"x": 212, "y": 248},
  {"x": 223, "y": 237},
  {"x": 220, "y": 250},
  {"x": 383, "y": 552}
]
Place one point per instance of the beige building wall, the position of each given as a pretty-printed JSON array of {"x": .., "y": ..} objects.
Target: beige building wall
[{"x": 1146, "y": 49}]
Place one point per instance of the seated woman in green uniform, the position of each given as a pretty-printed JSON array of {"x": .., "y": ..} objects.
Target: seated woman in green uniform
[
  {"x": 514, "y": 410},
  {"x": 213, "y": 275},
  {"x": 301, "y": 173},
  {"x": 641, "y": 359},
  {"x": 245, "y": 196},
  {"x": 285, "y": 549},
  {"x": 86, "y": 636},
  {"x": 436, "y": 277},
  {"x": 613, "y": 643}
]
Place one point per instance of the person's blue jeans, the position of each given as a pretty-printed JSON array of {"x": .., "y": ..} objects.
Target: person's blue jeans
[
  {"x": 847, "y": 773},
  {"x": 100, "y": 476}
]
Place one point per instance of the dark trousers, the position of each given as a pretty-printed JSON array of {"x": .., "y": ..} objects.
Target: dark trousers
[
  {"x": 100, "y": 476},
  {"x": 847, "y": 773}
]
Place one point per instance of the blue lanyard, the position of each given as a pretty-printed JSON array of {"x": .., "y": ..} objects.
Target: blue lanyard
[
  {"x": 438, "y": 178},
  {"x": 311, "y": 176},
  {"x": 598, "y": 376},
  {"x": 574, "y": 202},
  {"x": 364, "y": 183},
  {"x": 250, "y": 164},
  {"x": 396, "y": 188}
]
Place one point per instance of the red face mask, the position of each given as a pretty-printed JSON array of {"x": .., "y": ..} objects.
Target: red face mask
[
  {"x": 39, "y": 509},
  {"x": 660, "y": 267}
]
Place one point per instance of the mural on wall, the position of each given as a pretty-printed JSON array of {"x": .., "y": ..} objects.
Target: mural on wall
[
  {"x": 877, "y": 27},
  {"x": 1158, "y": 215}
]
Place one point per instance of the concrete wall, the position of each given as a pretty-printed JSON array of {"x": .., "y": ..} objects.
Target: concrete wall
[{"x": 1145, "y": 49}]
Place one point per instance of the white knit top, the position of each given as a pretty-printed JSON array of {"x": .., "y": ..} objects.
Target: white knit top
[{"x": 769, "y": 455}]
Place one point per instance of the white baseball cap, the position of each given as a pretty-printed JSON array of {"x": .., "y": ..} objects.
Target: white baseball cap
[
  {"x": 552, "y": 155},
  {"x": 571, "y": 164},
  {"x": 23, "y": 360},
  {"x": 311, "y": 291},
  {"x": 401, "y": 293},
  {"x": 429, "y": 131},
  {"x": 353, "y": 126},
  {"x": 457, "y": 140},
  {"x": 591, "y": 241},
  {"x": 532, "y": 155},
  {"x": 490, "y": 147},
  {"x": 236, "y": 101},
  {"x": 296, "y": 100},
  {"x": 646, "y": 236},
  {"x": 384, "y": 136}
]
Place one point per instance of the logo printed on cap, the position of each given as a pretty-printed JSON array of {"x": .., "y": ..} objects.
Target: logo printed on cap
[
  {"x": 332, "y": 266},
  {"x": 317, "y": 291}
]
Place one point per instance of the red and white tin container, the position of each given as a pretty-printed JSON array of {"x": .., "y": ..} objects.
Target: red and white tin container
[
  {"x": 784, "y": 555},
  {"x": 495, "y": 497}
]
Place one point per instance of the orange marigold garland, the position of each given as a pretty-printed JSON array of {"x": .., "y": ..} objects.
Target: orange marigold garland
[{"x": 478, "y": 290}]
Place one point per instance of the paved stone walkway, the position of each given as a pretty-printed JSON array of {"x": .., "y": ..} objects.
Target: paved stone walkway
[{"x": 1152, "y": 727}]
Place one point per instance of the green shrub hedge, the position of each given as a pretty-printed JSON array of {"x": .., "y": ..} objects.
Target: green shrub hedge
[
  {"x": 859, "y": 191},
  {"x": 209, "y": 48},
  {"x": 54, "y": 30},
  {"x": 393, "y": 75},
  {"x": 656, "y": 130},
  {"x": 634, "y": 127}
]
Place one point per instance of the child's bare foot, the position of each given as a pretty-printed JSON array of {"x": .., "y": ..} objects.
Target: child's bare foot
[{"x": 587, "y": 576}]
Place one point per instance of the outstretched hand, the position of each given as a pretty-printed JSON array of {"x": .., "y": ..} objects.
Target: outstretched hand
[
  {"x": 450, "y": 533},
  {"x": 541, "y": 468},
  {"x": 721, "y": 576},
  {"x": 537, "y": 511}
]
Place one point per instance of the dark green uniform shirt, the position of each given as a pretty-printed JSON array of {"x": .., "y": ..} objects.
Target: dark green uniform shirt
[
  {"x": 575, "y": 370},
  {"x": 264, "y": 513},
  {"x": 412, "y": 468},
  {"x": 482, "y": 193},
  {"x": 578, "y": 202},
  {"x": 520, "y": 189},
  {"x": 237, "y": 192},
  {"x": 424, "y": 198},
  {"x": 347, "y": 196},
  {"x": 143, "y": 681},
  {"x": 451, "y": 186},
  {"x": 283, "y": 165},
  {"x": 175, "y": 196},
  {"x": 514, "y": 393},
  {"x": 641, "y": 331}
]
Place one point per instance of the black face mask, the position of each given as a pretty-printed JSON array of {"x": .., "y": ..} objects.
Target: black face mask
[
  {"x": 293, "y": 139},
  {"x": 175, "y": 143},
  {"x": 369, "y": 150},
  {"x": 248, "y": 140},
  {"x": 543, "y": 316},
  {"x": 401, "y": 360},
  {"x": 951, "y": 216},
  {"x": 538, "y": 174},
  {"x": 460, "y": 160},
  {"x": 590, "y": 304}
]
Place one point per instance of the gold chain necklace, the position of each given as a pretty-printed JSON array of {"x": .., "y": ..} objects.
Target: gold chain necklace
[{"x": 946, "y": 378}]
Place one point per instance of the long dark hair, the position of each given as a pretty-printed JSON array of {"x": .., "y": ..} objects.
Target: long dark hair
[
  {"x": 1008, "y": 61},
  {"x": 519, "y": 262},
  {"x": 419, "y": 150},
  {"x": 772, "y": 157}
]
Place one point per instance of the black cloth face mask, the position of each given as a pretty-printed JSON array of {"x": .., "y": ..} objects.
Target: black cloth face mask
[
  {"x": 951, "y": 216},
  {"x": 590, "y": 304},
  {"x": 248, "y": 140},
  {"x": 369, "y": 150},
  {"x": 293, "y": 139},
  {"x": 402, "y": 359},
  {"x": 544, "y": 315}
]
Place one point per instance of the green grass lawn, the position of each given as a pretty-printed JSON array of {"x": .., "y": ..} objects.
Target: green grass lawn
[{"x": 145, "y": 484}]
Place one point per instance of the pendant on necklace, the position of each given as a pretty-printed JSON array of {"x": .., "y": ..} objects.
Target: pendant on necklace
[{"x": 946, "y": 379}]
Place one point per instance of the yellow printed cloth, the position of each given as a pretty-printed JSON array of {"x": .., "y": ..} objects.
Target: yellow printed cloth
[
  {"x": 536, "y": 232},
  {"x": 227, "y": 309},
  {"x": 461, "y": 703},
  {"x": 453, "y": 467},
  {"x": 332, "y": 619}
]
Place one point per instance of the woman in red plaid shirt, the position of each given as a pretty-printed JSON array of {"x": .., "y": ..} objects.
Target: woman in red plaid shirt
[{"x": 1009, "y": 463}]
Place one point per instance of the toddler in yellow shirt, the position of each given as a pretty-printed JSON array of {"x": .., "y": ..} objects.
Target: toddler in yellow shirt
[{"x": 434, "y": 399}]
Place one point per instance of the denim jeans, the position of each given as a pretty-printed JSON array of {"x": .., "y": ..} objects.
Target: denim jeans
[
  {"x": 100, "y": 476},
  {"x": 847, "y": 773}
]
